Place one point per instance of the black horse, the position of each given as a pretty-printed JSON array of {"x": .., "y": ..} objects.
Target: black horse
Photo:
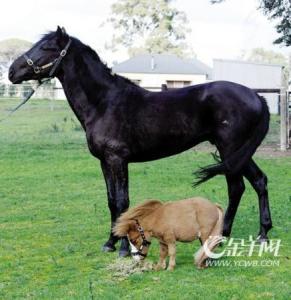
[{"x": 125, "y": 123}]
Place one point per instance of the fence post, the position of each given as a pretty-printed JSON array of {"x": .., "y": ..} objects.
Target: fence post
[
  {"x": 288, "y": 118},
  {"x": 283, "y": 120}
]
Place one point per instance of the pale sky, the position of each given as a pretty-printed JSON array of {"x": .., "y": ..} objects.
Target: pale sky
[{"x": 218, "y": 31}]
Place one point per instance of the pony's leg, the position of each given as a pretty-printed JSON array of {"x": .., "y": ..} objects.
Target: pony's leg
[
  {"x": 200, "y": 256},
  {"x": 258, "y": 180},
  {"x": 172, "y": 255},
  {"x": 163, "y": 255},
  {"x": 209, "y": 239},
  {"x": 236, "y": 189},
  {"x": 115, "y": 172}
]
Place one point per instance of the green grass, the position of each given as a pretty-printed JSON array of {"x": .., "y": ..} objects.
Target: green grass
[
  {"x": 54, "y": 218},
  {"x": 273, "y": 136}
]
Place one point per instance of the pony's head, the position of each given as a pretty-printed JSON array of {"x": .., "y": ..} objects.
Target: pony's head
[
  {"x": 43, "y": 59},
  {"x": 139, "y": 238},
  {"x": 130, "y": 224}
]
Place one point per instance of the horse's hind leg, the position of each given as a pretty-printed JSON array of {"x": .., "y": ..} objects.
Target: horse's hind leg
[
  {"x": 258, "y": 180},
  {"x": 226, "y": 144},
  {"x": 236, "y": 189}
]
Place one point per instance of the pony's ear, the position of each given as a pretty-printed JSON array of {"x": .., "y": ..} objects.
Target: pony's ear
[
  {"x": 122, "y": 228},
  {"x": 132, "y": 225}
]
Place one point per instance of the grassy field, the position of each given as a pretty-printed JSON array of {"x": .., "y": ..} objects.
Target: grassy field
[{"x": 54, "y": 218}]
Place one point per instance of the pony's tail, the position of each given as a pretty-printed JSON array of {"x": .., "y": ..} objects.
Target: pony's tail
[
  {"x": 217, "y": 230},
  {"x": 236, "y": 161},
  {"x": 215, "y": 237}
]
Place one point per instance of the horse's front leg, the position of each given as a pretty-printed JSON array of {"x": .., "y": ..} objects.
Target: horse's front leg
[{"x": 115, "y": 171}]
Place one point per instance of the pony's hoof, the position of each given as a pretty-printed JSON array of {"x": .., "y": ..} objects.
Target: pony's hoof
[
  {"x": 159, "y": 267},
  {"x": 108, "y": 248},
  {"x": 124, "y": 253},
  {"x": 202, "y": 265}
]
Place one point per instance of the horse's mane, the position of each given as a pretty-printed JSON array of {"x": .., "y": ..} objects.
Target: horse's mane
[
  {"x": 83, "y": 48},
  {"x": 136, "y": 213}
]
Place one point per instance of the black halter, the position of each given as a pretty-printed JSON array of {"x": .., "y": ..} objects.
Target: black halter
[
  {"x": 145, "y": 242},
  {"x": 37, "y": 69},
  {"x": 54, "y": 64}
]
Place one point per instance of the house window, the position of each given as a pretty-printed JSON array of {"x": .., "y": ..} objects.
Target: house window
[{"x": 174, "y": 84}]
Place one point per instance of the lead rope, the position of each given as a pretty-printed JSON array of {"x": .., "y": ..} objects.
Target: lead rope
[
  {"x": 38, "y": 69},
  {"x": 26, "y": 98}
]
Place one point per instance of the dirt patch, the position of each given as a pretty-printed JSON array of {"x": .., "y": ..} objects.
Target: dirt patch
[
  {"x": 262, "y": 151},
  {"x": 271, "y": 152}
]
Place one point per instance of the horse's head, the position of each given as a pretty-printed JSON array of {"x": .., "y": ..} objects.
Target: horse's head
[
  {"x": 139, "y": 238},
  {"x": 42, "y": 60}
]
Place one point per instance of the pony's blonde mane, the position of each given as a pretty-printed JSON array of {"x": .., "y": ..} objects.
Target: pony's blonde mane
[{"x": 136, "y": 213}]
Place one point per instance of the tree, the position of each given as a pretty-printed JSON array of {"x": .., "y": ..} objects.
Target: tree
[
  {"x": 10, "y": 49},
  {"x": 270, "y": 57},
  {"x": 280, "y": 10},
  {"x": 149, "y": 26},
  {"x": 266, "y": 56}
]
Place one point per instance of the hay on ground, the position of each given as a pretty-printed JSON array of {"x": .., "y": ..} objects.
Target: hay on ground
[{"x": 122, "y": 267}]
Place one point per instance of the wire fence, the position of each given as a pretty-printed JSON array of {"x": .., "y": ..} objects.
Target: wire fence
[{"x": 49, "y": 91}]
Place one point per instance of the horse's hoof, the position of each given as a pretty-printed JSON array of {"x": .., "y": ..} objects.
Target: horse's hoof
[
  {"x": 124, "y": 253},
  {"x": 262, "y": 239},
  {"x": 108, "y": 248},
  {"x": 223, "y": 240}
]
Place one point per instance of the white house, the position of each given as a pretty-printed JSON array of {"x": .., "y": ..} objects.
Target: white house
[{"x": 151, "y": 71}]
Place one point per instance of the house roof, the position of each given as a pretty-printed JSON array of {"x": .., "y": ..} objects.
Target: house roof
[
  {"x": 235, "y": 61},
  {"x": 162, "y": 64}
]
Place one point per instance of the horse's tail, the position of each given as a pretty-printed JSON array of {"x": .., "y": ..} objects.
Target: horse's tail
[{"x": 236, "y": 161}]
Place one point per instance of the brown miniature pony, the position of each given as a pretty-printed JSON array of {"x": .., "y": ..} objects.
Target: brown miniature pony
[{"x": 184, "y": 221}]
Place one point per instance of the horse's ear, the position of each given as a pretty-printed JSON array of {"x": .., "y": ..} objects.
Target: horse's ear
[{"x": 61, "y": 32}]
